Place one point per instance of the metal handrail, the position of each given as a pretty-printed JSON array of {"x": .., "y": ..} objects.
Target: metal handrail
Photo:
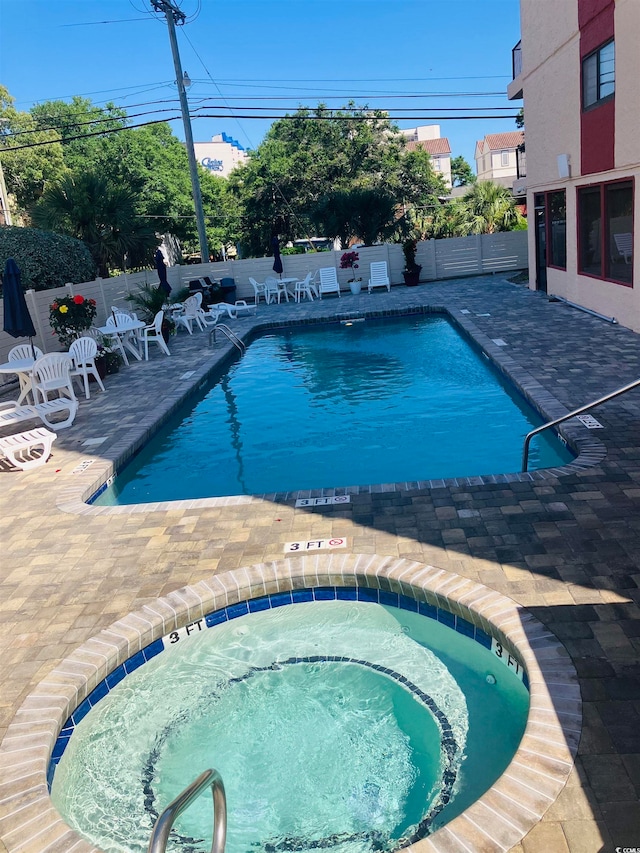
[
  {"x": 235, "y": 340},
  {"x": 606, "y": 398},
  {"x": 164, "y": 824}
]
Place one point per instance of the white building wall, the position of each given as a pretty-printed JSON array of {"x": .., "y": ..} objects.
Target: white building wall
[{"x": 552, "y": 105}]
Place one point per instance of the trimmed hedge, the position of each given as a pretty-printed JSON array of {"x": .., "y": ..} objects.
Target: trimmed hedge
[{"x": 45, "y": 259}]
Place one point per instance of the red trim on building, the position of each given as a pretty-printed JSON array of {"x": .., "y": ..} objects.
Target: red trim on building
[
  {"x": 597, "y": 125},
  {"x": 597, "y": 139}
]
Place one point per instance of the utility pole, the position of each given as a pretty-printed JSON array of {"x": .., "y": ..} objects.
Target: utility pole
[{"x": 175, "y": 16}]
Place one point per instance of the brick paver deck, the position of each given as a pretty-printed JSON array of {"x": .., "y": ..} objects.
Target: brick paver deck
[{"x": 565, "y": 544}]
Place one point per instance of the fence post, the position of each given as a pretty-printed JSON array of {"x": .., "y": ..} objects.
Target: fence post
[{"x": 30, "y": 295}]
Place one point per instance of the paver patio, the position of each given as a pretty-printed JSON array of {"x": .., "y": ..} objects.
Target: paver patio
[{"x": 564, "y": 544}]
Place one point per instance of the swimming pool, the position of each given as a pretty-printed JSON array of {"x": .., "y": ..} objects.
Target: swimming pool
[
  {"x": 309, "y": 407},
  {"x": 341, "y": 722}
]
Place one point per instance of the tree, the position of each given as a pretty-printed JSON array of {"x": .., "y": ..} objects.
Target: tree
[
  {"x": 88, "y": 206},
  {"x": 26, "y": 171},
  {"x": 486, "y": 209},
  {"x": 520, "y": 118},
  {"x": 307, "y": 158},
  {"x": 461, "y": 173}
]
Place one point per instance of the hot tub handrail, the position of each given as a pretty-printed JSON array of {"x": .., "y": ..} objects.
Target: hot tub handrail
[
  {"x": 529, "y": 436},
  {"x": 231, "y": 335},
  {"x": 164, "y": 824}
]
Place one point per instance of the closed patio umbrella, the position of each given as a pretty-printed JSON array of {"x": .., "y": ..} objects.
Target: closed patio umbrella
[
  {"x": 277, "y": 260},
  {"x": 162, "y": 272},
  {"x": 17, "y": 320}
]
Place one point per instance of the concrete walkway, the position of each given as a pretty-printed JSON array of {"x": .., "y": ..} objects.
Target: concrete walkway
[{"x": 565, "y": 544}]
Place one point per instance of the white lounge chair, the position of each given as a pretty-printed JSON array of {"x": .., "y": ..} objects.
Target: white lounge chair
[
  {"x": 328, "y": 281},
  {"x": 52, "y": 373},
  {"x": 624, "y": 245},
  {"x": 153, "y": 333},
  {"x": 15, "y": 413},
  {"x": 18, "y": 448},
  {"x": 83, "y": 351},
  {"x": 379, "y": 276}
]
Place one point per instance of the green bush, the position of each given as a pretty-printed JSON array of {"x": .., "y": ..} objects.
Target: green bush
[{"x": 45, "y": 259}]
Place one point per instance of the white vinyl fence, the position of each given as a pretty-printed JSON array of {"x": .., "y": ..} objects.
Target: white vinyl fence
[{"x": 451, "y": 258}]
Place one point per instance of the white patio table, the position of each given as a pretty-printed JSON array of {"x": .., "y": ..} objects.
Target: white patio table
[
  {"x": 22, "y": 367},
  {"x": 122, "y": 330}
]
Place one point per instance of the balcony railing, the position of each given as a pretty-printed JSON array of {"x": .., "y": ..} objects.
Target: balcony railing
[{"x": 516, "y": 60}]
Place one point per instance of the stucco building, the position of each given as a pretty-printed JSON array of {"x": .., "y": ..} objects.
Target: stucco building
[
  {"x": 577, "y": 69},
  {"x": 221, "y": 155},
  {"x": 498, "y": 159},
  {"x": 428, "y": 137}
]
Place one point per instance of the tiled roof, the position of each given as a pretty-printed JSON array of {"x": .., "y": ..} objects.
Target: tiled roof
[
  {"x": 432, "y": 146},
  {"x": 498, "y": 141}
]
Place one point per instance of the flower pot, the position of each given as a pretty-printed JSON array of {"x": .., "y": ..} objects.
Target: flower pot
[
  {"x": 165, "y": 331},
  {"x": 356, "y": 287},
  {"x": 101, "y": 367},
  {"x": 412, "y": 277}
]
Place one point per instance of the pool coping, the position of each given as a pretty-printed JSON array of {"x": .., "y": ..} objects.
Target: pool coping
[
  {"x": 100, "y": 470},
  {"x": 496, "y": 822}
]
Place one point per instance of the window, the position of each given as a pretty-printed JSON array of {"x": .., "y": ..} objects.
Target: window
[
  {"x": 598, "y": 76},
  {"x": 605, "y": 231},
  {"x": 436, "y": 164},
  {"x": 504, "y": 158},
  {"x": 557, "y": 219}
]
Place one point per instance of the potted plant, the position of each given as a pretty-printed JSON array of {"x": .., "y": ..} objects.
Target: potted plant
[
  {"x": 348, "y": 262},
  {"x": 108, "y": 359},
  {"x": 411, "y": 270},
  {"x": 70, "y": 316},
  {"x": 149, "y": 300}
]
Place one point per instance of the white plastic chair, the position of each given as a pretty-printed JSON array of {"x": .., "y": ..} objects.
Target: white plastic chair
[
  {"x": 18, "y": 353},
  {"x": 83, "y": 351},
  {"x": 328, "y": 281},
  {"x": 304, "y": 288},
  {"x": 152, "y": 333},
  {"x": 259, "y": 289},
  {"x": 379, "y": 276},
  {"x": 189, "y": 314},
  {"x": 51, "y": 373},
  {"x": 24, "y": 351}
]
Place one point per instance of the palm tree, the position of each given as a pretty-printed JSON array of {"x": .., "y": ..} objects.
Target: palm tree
[
  {"x": 486, "y": 209},
  {"x": 104, "y": 216}
]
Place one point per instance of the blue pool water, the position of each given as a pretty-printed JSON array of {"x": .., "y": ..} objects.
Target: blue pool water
[
  {"x": 308, "y": 407},
  {"x": 337, "y": 725}
]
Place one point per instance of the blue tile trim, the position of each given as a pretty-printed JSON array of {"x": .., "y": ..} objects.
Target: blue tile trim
[{"x": 279, "y": 599}]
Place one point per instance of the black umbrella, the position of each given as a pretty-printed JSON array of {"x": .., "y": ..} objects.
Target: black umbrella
[
  {"x": 277, "y": 260},
  {"x": 17, "y": 320},
  {"x": 162, "y": 272}
]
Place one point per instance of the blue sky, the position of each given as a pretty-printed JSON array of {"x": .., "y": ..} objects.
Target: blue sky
[{"x": 275, "y": 54}]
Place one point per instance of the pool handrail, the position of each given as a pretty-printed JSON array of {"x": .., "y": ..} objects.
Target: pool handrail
[
  {"x": 164, "y": 824},
  {"x": 235, "y": 340},
  {"x": 573, "y": 414}
]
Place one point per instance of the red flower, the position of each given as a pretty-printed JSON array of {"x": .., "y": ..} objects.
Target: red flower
[
  {"x": 92, "y": 301},
  {"x": 78, "y": 299},
  {"x": 54, "y": 306}
]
